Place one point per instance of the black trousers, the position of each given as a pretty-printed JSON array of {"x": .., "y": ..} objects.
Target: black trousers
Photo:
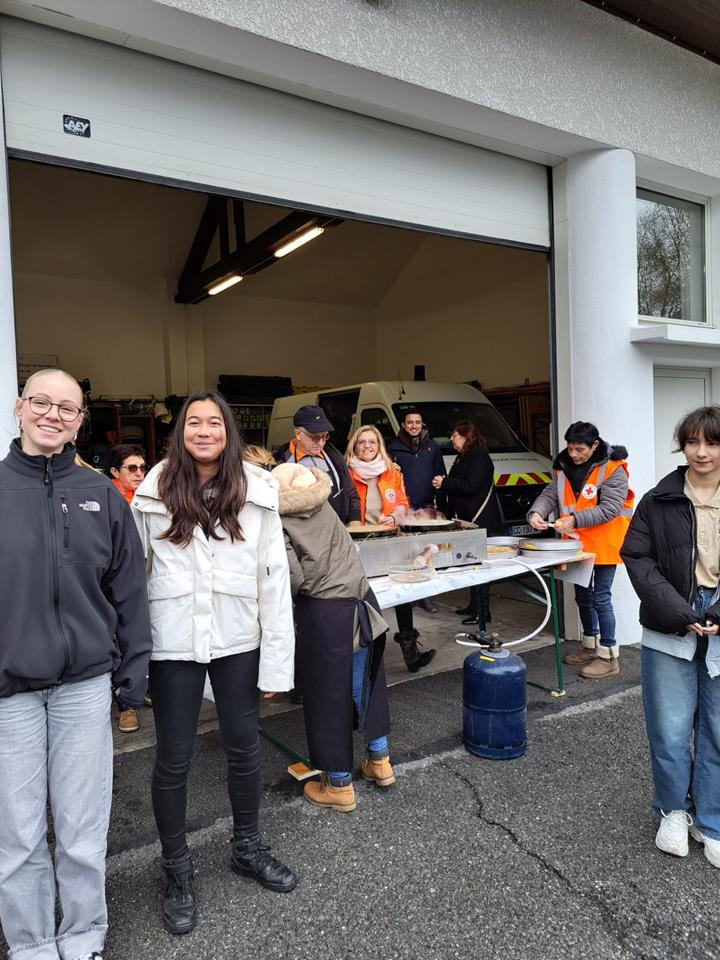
[{"x": 177, "y": 687}]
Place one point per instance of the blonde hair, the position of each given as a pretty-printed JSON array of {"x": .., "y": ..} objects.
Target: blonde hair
[
  {"x": 258, "y": 455},
  {"x": 43, "y": 372},
  {"x": 79, "y": 462},
  {"x": 382, "y": 452}
]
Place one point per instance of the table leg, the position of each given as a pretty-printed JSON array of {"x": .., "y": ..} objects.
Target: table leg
[
  {"x": 559, "y": 690},
  {"x": 284, "y": 747}
]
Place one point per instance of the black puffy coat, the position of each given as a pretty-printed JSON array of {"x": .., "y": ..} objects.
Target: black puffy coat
[
  {"x": 467, "y": 486},
  {"x": 659, "y": 554}
]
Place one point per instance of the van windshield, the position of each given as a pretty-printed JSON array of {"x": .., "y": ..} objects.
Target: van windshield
[{"x": 440, "y": 416}]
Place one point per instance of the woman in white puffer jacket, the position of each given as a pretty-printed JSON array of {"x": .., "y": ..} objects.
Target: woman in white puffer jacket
[{"x": 220, "y": 606}]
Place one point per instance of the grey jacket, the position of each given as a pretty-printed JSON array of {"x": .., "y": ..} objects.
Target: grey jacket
[
  {"x": 323, "y": 561},
  {"x": 611, "y": 493},
  {"x": 322, "y": 558}
]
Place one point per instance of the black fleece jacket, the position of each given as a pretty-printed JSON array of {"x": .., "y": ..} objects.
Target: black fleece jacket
[
  {"x": 72, "y": 579},
  {"x": 659, "y": 553}
]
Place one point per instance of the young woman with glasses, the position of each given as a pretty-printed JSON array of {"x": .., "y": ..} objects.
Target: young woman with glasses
[
  {"x": 75, "y": 626},
  {"x": 220, "y": 606}
]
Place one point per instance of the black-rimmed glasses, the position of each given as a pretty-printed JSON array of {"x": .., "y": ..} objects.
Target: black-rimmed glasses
[{"x": 41, "y": 405}]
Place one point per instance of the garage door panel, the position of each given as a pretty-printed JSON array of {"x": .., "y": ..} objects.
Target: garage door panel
[{"x": 176, "y": 122}]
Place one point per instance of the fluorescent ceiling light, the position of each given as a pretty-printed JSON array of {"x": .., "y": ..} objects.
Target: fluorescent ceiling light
[
  {"x": 305, "y": 237},
  {"x": 221, "y": 285}
]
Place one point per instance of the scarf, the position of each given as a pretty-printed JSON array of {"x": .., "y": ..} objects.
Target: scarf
[
  {"x": 367, "y": 471},
  {"x": 413, "y": 443}
]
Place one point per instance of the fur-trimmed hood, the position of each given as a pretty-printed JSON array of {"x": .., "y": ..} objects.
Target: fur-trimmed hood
[
  {"x": 605, "y": 451},
  {"x": 306, "y": 500}
]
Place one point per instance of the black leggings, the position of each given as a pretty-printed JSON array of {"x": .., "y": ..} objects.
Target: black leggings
[
  {"x": 177, "y": 689},
  {"x": 404, "y": 615}
]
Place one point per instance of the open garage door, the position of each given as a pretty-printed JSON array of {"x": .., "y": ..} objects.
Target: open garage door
[{"x": 86, "y": 103}]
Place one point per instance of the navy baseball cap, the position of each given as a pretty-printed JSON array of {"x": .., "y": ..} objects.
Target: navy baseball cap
[{"x": 313, "y": 420}]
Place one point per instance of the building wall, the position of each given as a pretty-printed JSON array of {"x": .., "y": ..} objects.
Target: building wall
[
  {"x": 111, "y": 333},
  {"x": 467, "y": 313},
  {"x": 314, "y": 343},
  {"x": 559, "y": 63}
]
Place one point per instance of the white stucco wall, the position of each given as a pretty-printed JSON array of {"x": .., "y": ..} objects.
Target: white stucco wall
[{"x": 560, "y": 63}]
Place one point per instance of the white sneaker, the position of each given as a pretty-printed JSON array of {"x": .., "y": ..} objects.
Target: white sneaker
[
  {"x": 672, "y": 837},
  {"x": 712, "y": 847}
]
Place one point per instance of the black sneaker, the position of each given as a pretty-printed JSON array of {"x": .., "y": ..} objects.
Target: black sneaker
[
  {"x": 251, "y": 858},
  {"x": 179, "y": 907}
]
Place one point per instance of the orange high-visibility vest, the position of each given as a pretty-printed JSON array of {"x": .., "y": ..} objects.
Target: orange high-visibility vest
[{"x": 605, "y": 539}]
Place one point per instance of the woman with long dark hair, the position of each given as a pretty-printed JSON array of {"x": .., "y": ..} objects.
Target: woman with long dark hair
[
  {"x": 220, "y": 606},
  {"x": 470, "y": 492}
]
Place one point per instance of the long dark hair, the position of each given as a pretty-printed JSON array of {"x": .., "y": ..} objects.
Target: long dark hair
[
  {"x": 184, "y": 495},
  {"x": 468, "y": 430}
]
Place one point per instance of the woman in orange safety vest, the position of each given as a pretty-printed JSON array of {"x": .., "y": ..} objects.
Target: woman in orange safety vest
[
  {"x": 383, "y": 500},
  {"x": 592, "y": 501}
]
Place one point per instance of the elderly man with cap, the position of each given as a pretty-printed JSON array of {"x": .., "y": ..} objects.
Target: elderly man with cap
[{"x": 310, "y": 447}]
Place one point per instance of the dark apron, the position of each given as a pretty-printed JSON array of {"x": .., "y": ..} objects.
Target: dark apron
[{"x": 323, "y": 674}]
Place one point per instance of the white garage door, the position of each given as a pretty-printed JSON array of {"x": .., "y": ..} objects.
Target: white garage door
[
  {"x": 677, "y": 391},
  {"x": 165, "y": 120}
]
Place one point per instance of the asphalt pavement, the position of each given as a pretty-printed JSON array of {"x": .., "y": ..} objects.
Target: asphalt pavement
[{"x": 547, "y": 856}]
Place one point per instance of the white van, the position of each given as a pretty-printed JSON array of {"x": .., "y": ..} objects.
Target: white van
[{"x": 520, "y": 474}]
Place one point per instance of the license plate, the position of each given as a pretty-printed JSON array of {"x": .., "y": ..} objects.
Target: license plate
[{"x": 521, "y": 530}]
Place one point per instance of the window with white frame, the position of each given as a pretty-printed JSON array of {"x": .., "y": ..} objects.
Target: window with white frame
[{"x": 671, "y": 257}]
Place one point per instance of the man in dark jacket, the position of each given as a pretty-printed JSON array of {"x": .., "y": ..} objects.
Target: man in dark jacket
[
  {"x": 420, "y": 459},
  {"x": 310, "y": 447}
]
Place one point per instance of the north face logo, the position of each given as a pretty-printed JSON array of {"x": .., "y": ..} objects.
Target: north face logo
[{"x": 92, "y": 506}]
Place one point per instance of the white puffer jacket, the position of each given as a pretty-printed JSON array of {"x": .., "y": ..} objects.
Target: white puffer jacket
[{"x": 215, "y": 598}]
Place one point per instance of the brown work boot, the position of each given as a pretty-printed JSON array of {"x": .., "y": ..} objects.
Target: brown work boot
[
  {"x": 323, "y": 794},
  {"x": 599, "y": 668},
  {"x": 379, "y": 772},
  {"x": 584, "y": 655},
  {"x": 128, "y": 721}
]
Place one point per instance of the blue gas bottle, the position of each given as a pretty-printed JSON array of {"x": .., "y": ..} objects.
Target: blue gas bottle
[{"x": 494, "y": 704}]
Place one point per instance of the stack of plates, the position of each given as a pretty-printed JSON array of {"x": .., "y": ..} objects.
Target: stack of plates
[{"x": 541, "y": 546}]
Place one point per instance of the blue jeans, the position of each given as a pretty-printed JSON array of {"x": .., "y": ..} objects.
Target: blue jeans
[
  {"x": 376, "y": 748},
  {"x": 595, "y": 605},
  {"x": 55, "y": 744},
  {"x": 680, "y": 698}
]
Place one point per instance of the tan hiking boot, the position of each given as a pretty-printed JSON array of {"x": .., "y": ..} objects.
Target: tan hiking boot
[
  {"x": 128, "y": 721},
  {"x": 599, "y": 668},
  {"x": 323, "y": 794},
  {"x": 584, "y": 655},
  {"x": 378, "y": 772}
]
